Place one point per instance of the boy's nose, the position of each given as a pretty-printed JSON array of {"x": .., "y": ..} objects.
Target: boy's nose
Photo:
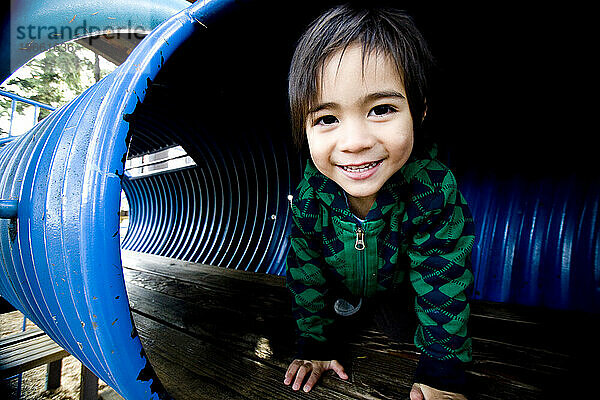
[{"x": 356, "y": 137}]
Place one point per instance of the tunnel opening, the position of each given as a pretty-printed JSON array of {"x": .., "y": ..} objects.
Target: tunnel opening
[{"x": 222, "y": 98}]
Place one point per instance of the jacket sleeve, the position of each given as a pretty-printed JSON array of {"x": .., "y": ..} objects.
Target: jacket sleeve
[
  {"x": 439, "y": 252},
  {"x": 307, "y": 284}
]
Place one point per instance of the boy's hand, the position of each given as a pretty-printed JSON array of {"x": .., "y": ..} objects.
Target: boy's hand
[
  {"x": 299, "y": 369},
  {"x": 424, "y": 392}
]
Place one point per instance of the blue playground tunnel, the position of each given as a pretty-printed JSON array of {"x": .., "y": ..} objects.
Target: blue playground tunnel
[{"x": 211, "y": 80}]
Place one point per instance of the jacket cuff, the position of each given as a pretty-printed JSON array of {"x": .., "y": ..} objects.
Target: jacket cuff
[{"x": 447, "y": 375}]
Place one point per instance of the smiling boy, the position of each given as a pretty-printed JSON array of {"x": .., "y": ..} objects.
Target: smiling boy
[
  {"x": 375, "y": 207},
  {"x": 360, "y": 132}
]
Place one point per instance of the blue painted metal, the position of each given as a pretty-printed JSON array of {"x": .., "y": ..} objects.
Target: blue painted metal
[
  {"x": 60, "y": 257},
  {"x": 230, "y": 211},
  {"x": 38, "y": 25},
  {"x": 6, "y": 140},
  {"x": 25, "y": 100},
  {"x": 538, "y": 241}
]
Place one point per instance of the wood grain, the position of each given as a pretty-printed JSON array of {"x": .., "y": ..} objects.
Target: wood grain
[{"x": 212, "y": 333}]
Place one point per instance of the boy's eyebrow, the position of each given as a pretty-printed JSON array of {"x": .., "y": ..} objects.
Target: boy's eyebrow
[
  {"x": 321, "y": 106},
  {"x": 370, "y": 97},
  {"x": 384, "y": 94}
]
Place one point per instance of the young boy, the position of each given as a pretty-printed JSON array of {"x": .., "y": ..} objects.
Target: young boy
[{"x": 375, "y": 208}]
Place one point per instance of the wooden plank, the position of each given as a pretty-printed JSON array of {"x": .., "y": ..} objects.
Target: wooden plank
[
  {"x": 23, "y": 346},
  {"x": 88, "y": 387},
  {"x": 201, "y": 309},
  {"x": 44, "y": 357},
  {"x": 264, "y": 327},
  {"x": 193, "y": 272},
  {"x": 250, "y": 378},
  {"x": 20, "y": 336},
  {"x": 380, "y": 371},
  {"x": 25, "y": 350},
  {"x": 181, "y": 382},
  {"x": 109, "y": 393},
  {"x": 229, "y": 313},
  {"x": 53, "y": 374},
  {"x": 533, "y": 327}
]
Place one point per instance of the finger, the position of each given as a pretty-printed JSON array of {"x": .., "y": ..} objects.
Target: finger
[
  {"x": 291, "y": 371},
  {"x": 338, "y": 368},
  {"x": 415, "y": 392},
  {"x": 302, "y": 371},
  {"x": 312, "y": 379}
]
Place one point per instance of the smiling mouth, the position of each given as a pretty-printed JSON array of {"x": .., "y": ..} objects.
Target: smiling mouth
[{"x": 360, "y": 167}]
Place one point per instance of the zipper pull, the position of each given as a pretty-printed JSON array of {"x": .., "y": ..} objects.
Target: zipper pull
[{"x": 360, "y": 239}]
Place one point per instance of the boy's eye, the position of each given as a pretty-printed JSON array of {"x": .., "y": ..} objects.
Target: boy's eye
[
  {"x": 326, "y": 120},
  {"x": 382, "y": 109}
]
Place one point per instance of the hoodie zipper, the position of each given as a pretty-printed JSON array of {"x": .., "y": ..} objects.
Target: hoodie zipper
[
  {"x": 359, "y": 245},
  {"x": 360, "y": 238}
]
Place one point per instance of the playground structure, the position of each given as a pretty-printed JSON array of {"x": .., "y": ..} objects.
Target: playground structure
[{"x": 60, "y": 184}]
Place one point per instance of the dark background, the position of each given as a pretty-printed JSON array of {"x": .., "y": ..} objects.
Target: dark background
[
  {"x": 511, "y": 91},
  {"x": 509, "y": 88}
]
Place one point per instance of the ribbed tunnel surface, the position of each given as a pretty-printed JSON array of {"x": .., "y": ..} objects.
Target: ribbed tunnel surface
[
  {"x": 230, "y": 210},
  {"x": 230, "y": 116},
  {"x": 60, "y": 253}
]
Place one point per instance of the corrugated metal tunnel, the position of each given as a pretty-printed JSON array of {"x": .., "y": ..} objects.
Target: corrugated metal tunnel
[
  {"x": 60, "y": 184},
  {"x": 230, "y": 208}
]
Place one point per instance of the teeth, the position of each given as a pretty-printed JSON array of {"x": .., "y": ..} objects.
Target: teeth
[{"x": 360, "y": 168}]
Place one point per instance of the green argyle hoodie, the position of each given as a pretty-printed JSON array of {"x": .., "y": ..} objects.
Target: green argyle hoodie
[{"x": 419, "y": 228}]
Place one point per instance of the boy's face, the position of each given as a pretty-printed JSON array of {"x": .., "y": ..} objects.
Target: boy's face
[{"x": 360, "y": 130}]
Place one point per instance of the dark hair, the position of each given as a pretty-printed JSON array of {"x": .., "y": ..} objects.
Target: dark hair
[{"x": 385, "y": 30}]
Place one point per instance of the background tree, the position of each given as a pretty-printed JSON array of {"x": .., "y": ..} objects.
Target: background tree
[{"x": 54, "y": 77}]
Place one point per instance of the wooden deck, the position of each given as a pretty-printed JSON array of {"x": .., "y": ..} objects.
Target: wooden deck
[{"x": 212, "y": 333}]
